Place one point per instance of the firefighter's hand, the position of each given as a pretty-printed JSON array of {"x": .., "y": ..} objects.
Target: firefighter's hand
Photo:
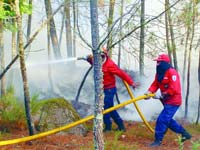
[
  {"x": 89, "y": 59},
  {"x": 147, "y": 93},
  {"x": 158, "y": 96},
  {"x": 135, "y": 85}
]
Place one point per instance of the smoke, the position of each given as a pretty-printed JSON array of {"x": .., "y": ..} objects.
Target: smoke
[{"x": 62, "y": 78}]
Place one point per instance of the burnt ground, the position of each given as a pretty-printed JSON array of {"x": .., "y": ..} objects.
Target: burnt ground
[{"x": 137, "y": 137}]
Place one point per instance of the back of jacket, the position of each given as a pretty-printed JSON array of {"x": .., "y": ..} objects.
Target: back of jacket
[{"x": 110, "y": 70}]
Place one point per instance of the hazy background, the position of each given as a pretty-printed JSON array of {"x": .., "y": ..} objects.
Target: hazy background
[{"x": 67, "y": 74}]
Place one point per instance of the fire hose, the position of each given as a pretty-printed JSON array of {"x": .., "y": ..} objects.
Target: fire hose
[{"x": 43, "y": 134}]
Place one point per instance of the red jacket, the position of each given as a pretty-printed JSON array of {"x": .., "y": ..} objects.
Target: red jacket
[
  {"x": 110, "y": 69},
  {"x": 170, "y": 85}
]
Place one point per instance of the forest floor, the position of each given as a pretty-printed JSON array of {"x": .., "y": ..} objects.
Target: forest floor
[{"x": 136, "y": 137}]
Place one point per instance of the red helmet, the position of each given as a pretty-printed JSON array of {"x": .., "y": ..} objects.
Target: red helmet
[{"x": 163, "y": 57}]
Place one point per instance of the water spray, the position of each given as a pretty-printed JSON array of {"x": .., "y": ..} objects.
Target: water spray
[{"x": 70, "y": 59}]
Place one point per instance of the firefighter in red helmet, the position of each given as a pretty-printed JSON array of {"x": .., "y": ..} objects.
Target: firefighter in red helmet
[{"x": 168, "y": 81}]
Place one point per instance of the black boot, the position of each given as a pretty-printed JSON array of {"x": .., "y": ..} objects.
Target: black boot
[
  {"x": 185, "y": 136},
  {"x": 107, "y": 128},
  {"x": 121, "y": 127},
  {"x": 155, "y": 143}
]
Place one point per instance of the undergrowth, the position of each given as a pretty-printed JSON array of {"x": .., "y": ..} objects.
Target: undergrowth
[{"x": 12, "y": 114}]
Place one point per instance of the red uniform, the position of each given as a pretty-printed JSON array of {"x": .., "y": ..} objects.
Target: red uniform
[
  {"x": 110, "y": 69},
  {"x": 168, "y": 81},
  {"x": 169, "y": 85}
]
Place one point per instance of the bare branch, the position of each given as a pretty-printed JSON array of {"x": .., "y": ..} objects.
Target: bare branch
[
  {"x": 30, "y": 40},
  {"x": 128, "y": 34}
]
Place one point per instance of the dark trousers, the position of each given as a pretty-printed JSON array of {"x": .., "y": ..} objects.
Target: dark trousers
[
  {"x": 165, "y": 120},
  {"x": 109, "y": 102}
]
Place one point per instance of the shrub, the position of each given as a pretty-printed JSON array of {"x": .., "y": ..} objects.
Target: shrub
[{"x": 12, "y": 114}]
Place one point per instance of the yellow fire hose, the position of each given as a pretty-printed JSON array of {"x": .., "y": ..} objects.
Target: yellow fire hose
[
  {"x": 43, "y": 134},
  {"x": 137, "y": 108}
]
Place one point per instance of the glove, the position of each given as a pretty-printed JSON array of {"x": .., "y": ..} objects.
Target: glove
[
  {"x": 147, "y": 93},
  {"x": 135, "y": 85},
  {"x": 158, "y": 96},
  {"x": 89, "y": 59}
]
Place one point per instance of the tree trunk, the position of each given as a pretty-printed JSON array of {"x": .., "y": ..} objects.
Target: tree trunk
[
  {"x": 110, "y": 22},
  {"x": 98, "y": 78},
  {"x": 172, "y": 39},
  {"x": 198, "y": 112},
  {"x": 14, "y": 52},
  {"x": 142, "y": 36},
  {"x": 23, "y": 70},
  {"x": 53, "y": 33},
  {"x": 189, "y": 62},
  {"x": 61, "y": 29},
  {"x": 185, "y": 56},
  {"x": 29, "y": 24},
  {"x": 186, "y": 51},
  {"x": 49, "y": 57},
  {"x": 2, "y": 66},
  {"x": 167, "y": 31},
  {"x": 68, "y": 29},
  {"x": 120, "y": 34},
  {"x": 74, "y": 28}
]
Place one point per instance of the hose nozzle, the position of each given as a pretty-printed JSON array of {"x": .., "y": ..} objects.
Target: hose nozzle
[{"x": 82, "y": 58}]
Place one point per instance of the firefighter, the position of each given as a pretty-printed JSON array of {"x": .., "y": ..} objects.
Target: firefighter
[
  {"x": 110, "y": 70},
  {"x": 168, "y": 81}
]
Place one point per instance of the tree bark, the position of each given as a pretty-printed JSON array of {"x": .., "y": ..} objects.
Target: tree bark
[
  {"x": 49, "y": 57},
  {"x": 98, "y": 78},
  {"x": 189, "y": 61},
  {"x": 142, "y": 36},
  {"x": 167, "y": 31},
  {"x": 29, "y": 24},
  {"x": 68, "y": 29},
  {"x": 188, "y": 26},
  {"x": 14, "y": 52},
  {"x": 53, "y": 33},
  {"x": 110, "y": 22},
  {"x": 198, "y": 112},
  {"x": 2, "y": 66},
  {"x": 120, "y": 34},
  {"x": 74, "y": 27},
  {"x": 23, "y": 70},
  {"x": 175, "y": 64},
  {"x": 61, "y": 29}
]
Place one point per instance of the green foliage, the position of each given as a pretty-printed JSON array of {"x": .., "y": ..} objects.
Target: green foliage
[
  {"x": 25, "y": 8},
  {"x": 196, "y": 145},
  {"x": 36, "y": 104},
  {"x": 180, "y": 143},
  {"x": 11, "y": 110},
  {"x": 187, "y": 14},
  {"x": 7, "y": 12},
  {"x": 116, "y": 144},
  {"x": 115, "y": 141}
]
